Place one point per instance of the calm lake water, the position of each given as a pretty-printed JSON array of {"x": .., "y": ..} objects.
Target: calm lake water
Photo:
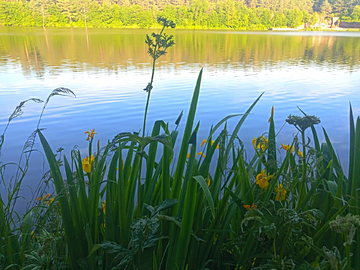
[{"x": 107, "y": 69}]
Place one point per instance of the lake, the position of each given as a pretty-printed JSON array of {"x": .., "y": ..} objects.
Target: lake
[{"x": 108, "y": 69}]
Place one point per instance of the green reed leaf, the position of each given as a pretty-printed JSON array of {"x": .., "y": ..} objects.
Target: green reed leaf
[
  {"x": 202, "y": 182},
  {"x": 352, "y": 151},
  {"x": 70, "y": 235},
  {"x": 176, "y": 185}
]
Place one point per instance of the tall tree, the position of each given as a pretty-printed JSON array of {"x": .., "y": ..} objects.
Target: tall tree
[
  {"x": 82, "y": 7},
  {"x": 326, "y": 8},
  {"x": 41, "y": 6},
  {"x": 66, "y": 9},
  {"x": 355, "y": 15}
]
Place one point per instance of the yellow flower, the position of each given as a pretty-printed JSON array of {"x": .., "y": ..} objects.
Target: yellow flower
[
  {"x": 86, "y": 163},
  {"x": 197, "y": 154},
  {"x": 262, "y": 143},
  {"x": 212, "y": 142},
  {"x": 281, "y": 192},
  {"x": 208, "y": 182},
  {"x": 254, "y": 142},
  {"x": 217, "y": 147},
  {"x": 262, "y": 180},
  {"x": 287, "y": 147},
  {"x": 248, "y": 207},
  {"x": 90, "y": 134},
  {"x": 48, "y": 202},
  {"x": 104, "y": 207},
  {"x": 300, "y": 153},
  {"x": 201, "y": 154}
]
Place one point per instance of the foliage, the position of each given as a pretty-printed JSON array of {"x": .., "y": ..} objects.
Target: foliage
[{"x": 221, "y": 14}]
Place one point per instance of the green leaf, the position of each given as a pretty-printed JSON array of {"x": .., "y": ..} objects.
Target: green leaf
[
  {"x": 74, "y": 249},
  {"x": 176, "y": 185},
  {"x": 202, "y": 182}
]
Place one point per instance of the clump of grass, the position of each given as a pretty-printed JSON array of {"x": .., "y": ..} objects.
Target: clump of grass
[{"x": 15, "y": 231}]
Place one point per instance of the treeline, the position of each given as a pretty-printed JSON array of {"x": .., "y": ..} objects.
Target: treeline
[{"x": 224, "y": 14}]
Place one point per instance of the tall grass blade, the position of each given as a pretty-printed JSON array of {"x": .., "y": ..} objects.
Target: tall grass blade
[
  {"x": 271, "y": 161},
  {"x": 186, "y": 225},
  {"x": 354, "y": 201},
  {"x": 205, "y": 188},
  {"x": 239, "y": 124},
  {"x": 336, "y": 162},
  {"x": 352, "y": 152},
  {"x": 70, "y": 235},
  {"x": 176, "y": 186}
]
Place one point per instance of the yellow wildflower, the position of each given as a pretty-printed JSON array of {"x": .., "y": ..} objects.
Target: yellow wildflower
[
  {"x": 262, "y": 179},
  {"x": 212, "y": 142},
  {"x": 262, "y": 143},
  {"x": 90, "y": 134},
  {"x": 281, "y": 192},
  {"x": 48, "y": 202},
  {"x": 208, "y": 182},
  {"x": 45, "y": 197},
  {"x": 254, "y": 142},
  {"x": 248, "y": 207},
  {"x": 201, "y": 154},
  {"x": 300, "y": 153},
  {"x": 104, "y": 207},
  {"x": 197, "y": 154},
  {"x": 287, "y": 147},
  {"x": 86, "y": 163},
  {"x": 217, "y": 147}
]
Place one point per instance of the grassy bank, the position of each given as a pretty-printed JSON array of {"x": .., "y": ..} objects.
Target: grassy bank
[{"x": 134, "y": 203}]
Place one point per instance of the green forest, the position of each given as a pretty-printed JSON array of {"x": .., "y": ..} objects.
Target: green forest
[{"x": 193, "y": 14}]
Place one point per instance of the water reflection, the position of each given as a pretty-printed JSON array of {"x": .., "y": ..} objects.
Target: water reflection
[
  {"x": 36, "y": 50},
  {"x": 107, "y": 69}
]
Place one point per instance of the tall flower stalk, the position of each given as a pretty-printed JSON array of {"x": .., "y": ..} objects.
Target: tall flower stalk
[
  {"x": 158, "y": 44},
  {"x": 301, "y": 124}
]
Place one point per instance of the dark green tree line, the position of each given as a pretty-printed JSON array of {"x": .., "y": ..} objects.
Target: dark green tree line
[{"x": 212, "y": 14}]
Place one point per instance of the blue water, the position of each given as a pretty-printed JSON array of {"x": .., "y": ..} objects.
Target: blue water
[{"x": 111, "y": 100}]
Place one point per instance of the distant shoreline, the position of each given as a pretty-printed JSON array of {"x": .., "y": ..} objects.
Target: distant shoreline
[{"x": 275, "y": 29}]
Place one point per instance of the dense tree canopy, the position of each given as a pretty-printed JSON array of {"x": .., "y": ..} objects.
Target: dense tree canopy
[{"x": 223, "y": 14}]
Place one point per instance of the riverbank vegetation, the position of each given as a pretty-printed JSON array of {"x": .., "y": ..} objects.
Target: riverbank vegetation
[
  {"x": 137, "y": 203},
  {"x": 203, "y": 14}
]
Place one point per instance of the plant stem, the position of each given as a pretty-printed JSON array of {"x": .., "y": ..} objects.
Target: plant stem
[
  {"x": 303, "y": 177},
  {"x": 148, "y": 96},
  {"x": 285, "y": 242},
  {"x": 348, "y": 254},
  {"x": 151, "y": 82}
]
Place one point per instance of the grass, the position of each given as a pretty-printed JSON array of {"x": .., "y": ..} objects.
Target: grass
[{"x": 121, "y": 208}]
